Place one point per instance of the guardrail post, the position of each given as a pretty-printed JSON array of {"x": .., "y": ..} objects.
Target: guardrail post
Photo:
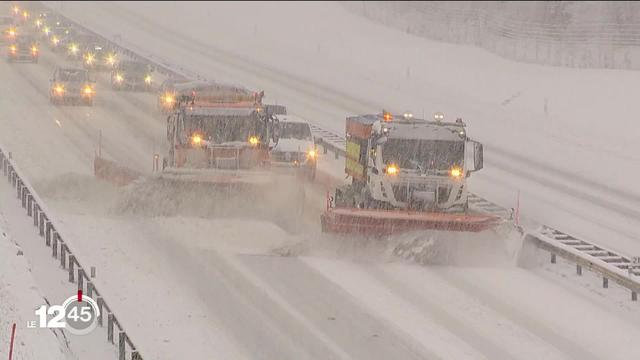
[
  {"x": 29, "y": 205},
  {"x": 48, "y": 233},
  {"x": 23, "y": 196},
  {"x": 553, "y": 258},
  {"x": 36, "y": 210},
  {"x": 605, "y": 282},
  {"x": 110, "y": 328},
  {"x": 80, "y": 279},
  {"x": 579, "y": 269},
  {"x": 63, "y": 255},
  {"x": 54, "y": 246},
  {"x": 121, "y": 343},
  {"x": 71, "y": 267},
  {"x": 100, "y": 303},
  {"x": 18, "y": 190},
  {"x": 41, "y": 223}
]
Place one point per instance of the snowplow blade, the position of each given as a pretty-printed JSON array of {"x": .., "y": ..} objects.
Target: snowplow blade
[
  {"x": 218, "y": 177},
  {"x": 108, "y": 170},
  {"x": 387, "y": 222}
]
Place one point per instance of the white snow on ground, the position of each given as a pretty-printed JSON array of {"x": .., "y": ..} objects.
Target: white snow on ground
[
  {"x": 217, "y": 289},
  {"x": 19, "y": 298},
  {"x": 573, "y": 163}
]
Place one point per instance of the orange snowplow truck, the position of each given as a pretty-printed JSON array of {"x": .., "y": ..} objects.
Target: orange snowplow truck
[
  {"x": 216, "y": 127},
  {"x": 406, "y": 174}
]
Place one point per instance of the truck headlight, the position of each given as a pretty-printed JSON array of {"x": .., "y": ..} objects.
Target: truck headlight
[
  {"x": 59, "y": 89},
  {"x": 311, "y": 154},
  {"x": 392, "y": 170},
  {"x": 89, "y": 59},
  {"x": 34, "y": 50},
  {"x": 455, "y": 172},
  {"x": 111, "y": 59},
  {"x": 196, "y": 139},
  {"x": 254, "y": 141},
  {"x": 168, "y": 99},
  {"x": 87, "y": 90},
  {"x": 147, "y": 79}
]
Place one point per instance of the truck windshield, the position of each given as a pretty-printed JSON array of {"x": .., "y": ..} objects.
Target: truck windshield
[
  {"x": 223, "y": 129},
  {"x": 291, "y": 130},
  {"x": 423, "y": 154},
  {"x": 72, "y": 75}
]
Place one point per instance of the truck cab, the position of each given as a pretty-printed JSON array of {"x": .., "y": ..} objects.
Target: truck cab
[
  {"x": 218, "y": 127},
  {"x": 398, "y": 162},
  {"x": 295, "y": 148}
]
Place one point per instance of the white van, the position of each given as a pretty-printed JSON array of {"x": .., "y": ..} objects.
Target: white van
[{"x": 295, "y": 147}]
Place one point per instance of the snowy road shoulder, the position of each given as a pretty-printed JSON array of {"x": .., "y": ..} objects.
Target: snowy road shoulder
[{"x": 19, "y": 297}]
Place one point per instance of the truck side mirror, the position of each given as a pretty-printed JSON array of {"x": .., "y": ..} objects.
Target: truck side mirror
[{"x": 478, "y": 156}]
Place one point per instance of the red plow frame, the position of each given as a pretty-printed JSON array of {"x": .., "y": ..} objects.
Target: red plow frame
[{"x": 386, "y": 222}]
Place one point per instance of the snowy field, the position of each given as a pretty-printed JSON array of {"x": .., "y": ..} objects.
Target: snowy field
[{"x": 187, "y": 286}]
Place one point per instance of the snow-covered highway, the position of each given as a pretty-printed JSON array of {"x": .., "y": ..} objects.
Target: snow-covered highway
[{"x": 188, "y": 286}]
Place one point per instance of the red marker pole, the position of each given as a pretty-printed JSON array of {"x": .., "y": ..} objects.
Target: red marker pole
[
  {"x": 79, "y": 295},
  {"x": 13, "y": 336}
]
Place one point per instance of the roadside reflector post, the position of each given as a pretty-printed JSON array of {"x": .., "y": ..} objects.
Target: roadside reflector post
[
  {"x": 36, "y": 210},
  {"x": 71, "y": 268},
  {"x": 110, "y": 328},
  {"x": 553, "y": 258},
  {"x": 336, "y": 153},
  {"x": 634, "y": 296},
  {"x": 324, "y": 148},
  {"x": 605, "y": 282},
  {"x": 93, "y": 272},
  {"x": 579, "y": 269},
  {"x": 121, "y": 342},
  {"x": 29, "y": 205},
  {"x": 89, "y": 289}
]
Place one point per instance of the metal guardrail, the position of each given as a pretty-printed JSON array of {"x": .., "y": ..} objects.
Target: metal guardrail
[
  {"x": 621, "y": 269},
  {"x": 50, "y": 231}
]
